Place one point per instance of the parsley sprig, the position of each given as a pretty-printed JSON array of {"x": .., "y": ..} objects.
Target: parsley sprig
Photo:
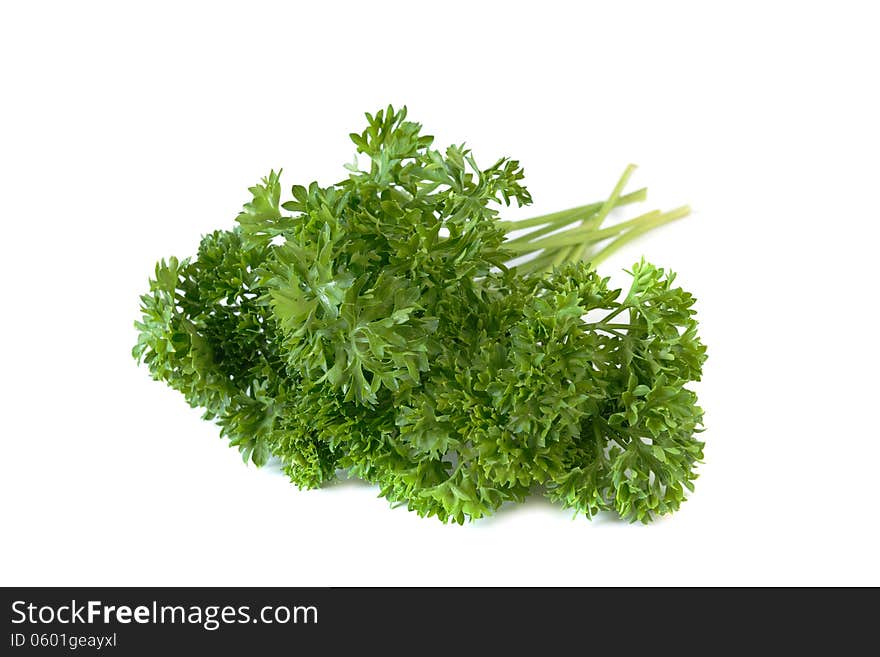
[{"x": 388, "y": 327}]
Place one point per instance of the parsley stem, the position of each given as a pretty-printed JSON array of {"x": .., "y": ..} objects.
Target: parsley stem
[
  {"x": 606, "y": 325},
  {"x": 548, "y": 228},
  {"x": 630, "y": 235},
  {"x": 614, "y": 314},
  {"x": 585, "y": 234},
  {"x": 564, "y": 217},
  {"x": 550, "y": 258},
  {"x": 576, "y": 251},
  {"x": 563, "y": 256},
  {"x": 541, "y": 263},
  {"x": 555, "y": 249}
]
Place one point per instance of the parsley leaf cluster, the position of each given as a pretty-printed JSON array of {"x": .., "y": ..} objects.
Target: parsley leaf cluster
[{"x": 389, "y": 327}]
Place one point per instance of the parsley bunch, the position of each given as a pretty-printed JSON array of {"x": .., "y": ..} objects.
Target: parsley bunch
[{"x": 388, "y": 327}]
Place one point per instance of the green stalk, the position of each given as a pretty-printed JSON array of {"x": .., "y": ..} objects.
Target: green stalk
[
  {"x": 541, "y": 263},
  {"x": 630, "y": 235},
  {"x": 564, "y": 217},
  {"x": 548, "y": 228},
  {"x": 556, "y": 242},
  {"x": 562, "y": 256},
  {"x": 576, "y": 251},
  {"x": 582, "y": 235},
  {"x": 589, "y": 216}
]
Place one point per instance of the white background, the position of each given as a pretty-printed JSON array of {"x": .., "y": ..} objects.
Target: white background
[{"x": 128, "y": 132}]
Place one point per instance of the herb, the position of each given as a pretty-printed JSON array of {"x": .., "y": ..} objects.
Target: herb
[{"x": 386, "y": 326}]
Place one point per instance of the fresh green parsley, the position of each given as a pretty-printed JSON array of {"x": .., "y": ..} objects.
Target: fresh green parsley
[{"x": 386, "y": 327}]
